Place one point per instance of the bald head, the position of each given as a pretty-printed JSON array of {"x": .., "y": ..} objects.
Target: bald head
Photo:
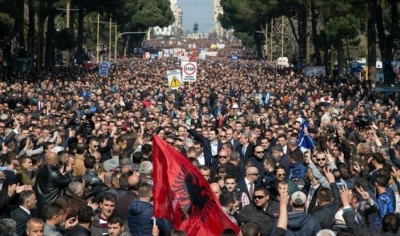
[
  {"x": 51, "y": 158},
  {"x": 216, "y": 189},
  {"x": 251, "y": 169},
  {"x": 134, "y": 182}
]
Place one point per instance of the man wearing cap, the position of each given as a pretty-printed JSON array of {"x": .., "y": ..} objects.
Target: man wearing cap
[{"x": 300, "y": 222}]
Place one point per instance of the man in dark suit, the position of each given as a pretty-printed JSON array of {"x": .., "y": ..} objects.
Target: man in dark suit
[
  {"x": 246, "y": 149},
  {"x": 22, "y": 214},
  {"x": 229, "y": 137},
  {"x": 247, "y": 185},
  {"x": 211, "y": 145},
  {"x": 218, "y": 109}
]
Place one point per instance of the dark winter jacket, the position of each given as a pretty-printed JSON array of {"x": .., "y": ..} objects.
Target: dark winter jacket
[
  {"x": 349, "y": 218},
  {"x": 326, "y": 213},
  {"x": 302, "y": 223},
  {"x": 140, "y": 219},
  {"x": 49, "y": 186},
  {"x": 78, "y": 230},
  {"x": 265, "y": 219}
]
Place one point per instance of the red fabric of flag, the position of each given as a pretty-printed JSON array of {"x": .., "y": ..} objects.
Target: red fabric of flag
[{"x": 182, "y": 195}]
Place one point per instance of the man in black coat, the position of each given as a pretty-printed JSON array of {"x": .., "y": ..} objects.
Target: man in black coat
[
  {"x": 85, "y": 217},
  {"x": 211, "y": 146},
  {"x": 390, "y": 221},
  {"x": 50, "y": 183},
  {"x": 22, "y": 214},
  {"x": 328, "y": 203},
  {"x": 255, "y": 212}
]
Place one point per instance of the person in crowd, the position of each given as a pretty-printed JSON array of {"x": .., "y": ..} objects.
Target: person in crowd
[
  {"x": 328, "y": 201},
  {"x": 107, "y": 207},
  {"x": 92, "y": 180},
  {"x": 22, "y": 173},
  {"x": 227, "y": 201},
  {"x": 34, "y": 227},
  {"x": 7, "y": 226},
  {"x": 262, "y": 211},
  {"x": 125, "y": 198},
  {"x": 248, "y": 185},
  {"x": 300, "y": 222},
  {"x": 74, "y": 194},
  {"x": 51, "y": 180},
  {"x": 279, "y": 128},
  {"x": 21, "y": 215},
  {"x": 116, "y": 226},
  {"x": 55, "y": 215},
  {"x": 84, "y": 220},
  {"x": 140, "y": 214}
]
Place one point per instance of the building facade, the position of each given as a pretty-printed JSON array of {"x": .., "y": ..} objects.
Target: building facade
[
  {"x": 176, "y": 28},
  {"x": 217, "y": 10}
]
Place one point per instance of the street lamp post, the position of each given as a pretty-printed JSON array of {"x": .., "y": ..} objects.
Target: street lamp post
[
  {"x": 282, "y": 35},
  {"x": 109, "y": 41},
  {"x": 68, "y": 13},
  {"x": 97, "y": 38},
  {"x": 115, "y": 44},
  {"x": 121, "y": 34},
  {"x": 98, "y": 35},
  {"x": 282, "y": 32}
]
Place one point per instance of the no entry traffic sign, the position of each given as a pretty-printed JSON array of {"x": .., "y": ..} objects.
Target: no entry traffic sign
[{"x": 189, "y": 71}]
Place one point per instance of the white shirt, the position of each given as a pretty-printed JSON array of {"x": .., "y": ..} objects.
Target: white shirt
[
  {"x": 285, "y": 149},
  {"x": 214, "y": 148},
  {"x": 248, "y": 184},
  {"x": 26, "y": 210},
  {"x": 201, "y": 160}
]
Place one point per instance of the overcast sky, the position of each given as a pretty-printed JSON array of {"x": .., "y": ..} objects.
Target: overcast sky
[{"x": 200, "y": 11}]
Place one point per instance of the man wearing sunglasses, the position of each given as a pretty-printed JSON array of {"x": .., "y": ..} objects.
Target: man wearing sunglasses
[
  {"x": 262, "y": 211},
  {"x": 223, "y": 160},
  {"x": 258, "y": 160},
  {"x": 248, "y": 185}
]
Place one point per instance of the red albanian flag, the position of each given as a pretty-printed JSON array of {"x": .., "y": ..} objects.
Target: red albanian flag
[{"x": 182, "y": 195}]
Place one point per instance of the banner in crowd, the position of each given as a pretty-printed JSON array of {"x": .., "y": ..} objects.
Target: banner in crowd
[
  {"x": 183, "y": 196},
  {"x": 104, "y": 68},
  {"x": 174, "y": 79},
  {"x": 314, "y": 71},
  {"x": 189, "y": 70}
]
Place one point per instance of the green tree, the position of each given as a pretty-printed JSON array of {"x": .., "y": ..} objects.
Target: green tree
[
  {"x": 340, "y": 29},
  {"x": 387, "y": 25},
  {"x": 139, "y": 15},
  {"x": 247, "y": 16},
  {"x": 89, "y": 6}
]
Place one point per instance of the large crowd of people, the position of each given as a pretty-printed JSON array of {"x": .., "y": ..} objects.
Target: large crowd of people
[{"x": 285, "y": 154}]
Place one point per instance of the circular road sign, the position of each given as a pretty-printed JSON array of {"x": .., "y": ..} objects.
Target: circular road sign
[
  {"x": 189, "y": 69},
  {"x": 103, "y": 66}
]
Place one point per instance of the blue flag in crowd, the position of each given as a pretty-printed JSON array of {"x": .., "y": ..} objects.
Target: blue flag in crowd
[{"x": 304, "y": 141}]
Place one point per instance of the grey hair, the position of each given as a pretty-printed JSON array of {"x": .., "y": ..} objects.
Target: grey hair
[
  {"x": 246, "y": 135},
  {"x": 125, "y": 161},
  {"x": 7, "y": 225},
  {"x": 24, "y": 196},
  {"x": 75, "y": 187},
  {"x": 325, "y": 232}
]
